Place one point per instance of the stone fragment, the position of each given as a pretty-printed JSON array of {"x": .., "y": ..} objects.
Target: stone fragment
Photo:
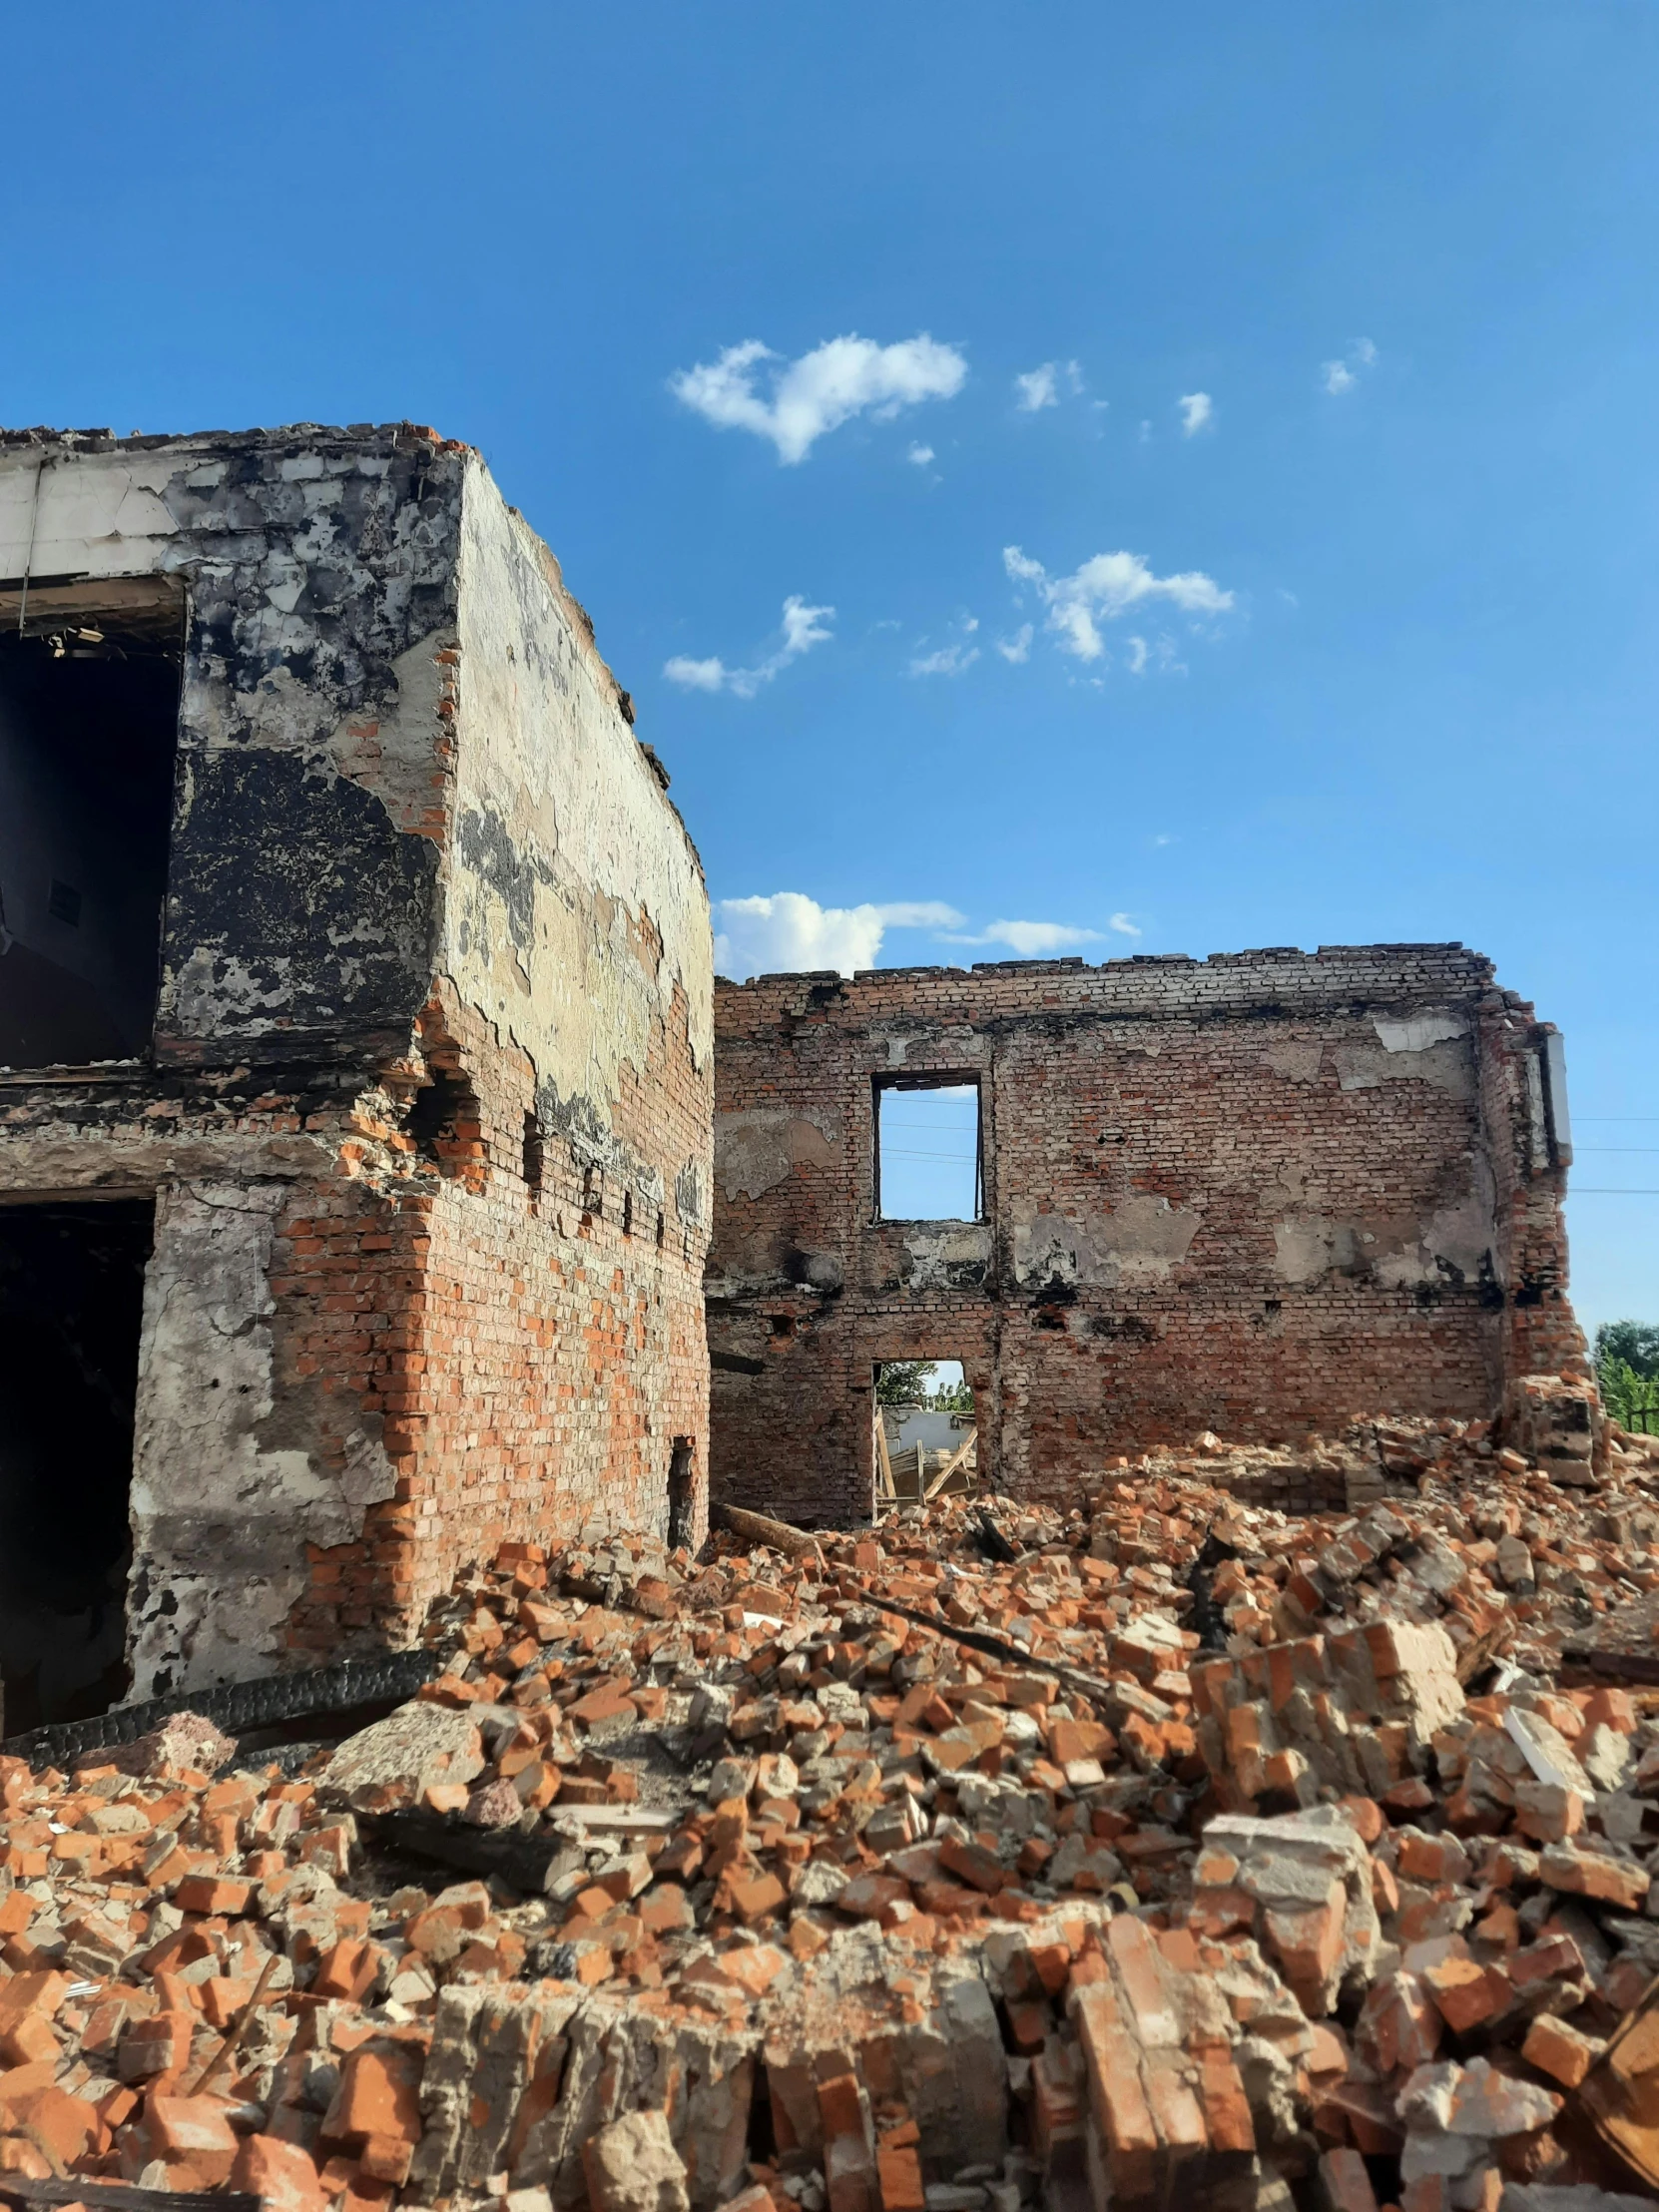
[
  {"x": 395, "y": 1762},
  {"x": 632, "y": 2166}
]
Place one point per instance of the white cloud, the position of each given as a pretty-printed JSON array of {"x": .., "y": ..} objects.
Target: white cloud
[
  {"x": 1018, "y": 647},
  {"x": 1032, "y": 939},
  {"x": 1040, "y": 387},
  {"x": 1198, "y": 412},
  {"x": 949, "y": 660},
  {"x": 954, "y": 659},
  {"x": 1105, "y": 588},
  {"x": 1343, "y": 376},
  {"x": 790, "y": 932},
  {"x": 920, "y": 455},
  {"x": 804, "y": 627},
  {"x": 823, "y": 389},
  {"x": 1137, "y": 656}
]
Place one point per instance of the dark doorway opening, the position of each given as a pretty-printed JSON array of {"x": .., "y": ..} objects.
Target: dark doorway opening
[
  {"x": 89, "y": 711},
  {"x": 70, "y": 1306},
  {"x": 681, "y": 1489}
]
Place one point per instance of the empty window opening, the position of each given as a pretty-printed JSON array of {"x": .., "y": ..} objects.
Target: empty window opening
[
  {"x": 593, "y": 1194},
  {"x": 89, "y": 711},
  {"x": 443, "y": 1119},
  {"x": 535, "y": 1155},
  {"x": 928, "y": 1434},
  {"x": 627, "y": 1213},
  {"x": 927, "y": 1150},
  {"x": 70, "y": 1305},
  {"x": 681, "y": 1493},
  {"x": 662, "y": 1228}
]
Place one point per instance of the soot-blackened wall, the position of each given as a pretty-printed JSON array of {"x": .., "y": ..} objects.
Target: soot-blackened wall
[
  {"x": 1261, "y": 1194},
  {"x": 423, "y": 1118}
]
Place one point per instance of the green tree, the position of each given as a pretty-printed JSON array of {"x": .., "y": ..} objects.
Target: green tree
[
  {"x": 904, "y": 1382},
  {"x": 952, "y": 1397},
  {"x": 1634, "y": 1342},
  {"x": 1627, "y": 1372}
]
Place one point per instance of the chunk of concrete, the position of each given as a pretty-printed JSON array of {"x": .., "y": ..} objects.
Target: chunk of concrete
[
  {"x": 633, "y": 2166},
  {"x": 395, "y": 1762}
]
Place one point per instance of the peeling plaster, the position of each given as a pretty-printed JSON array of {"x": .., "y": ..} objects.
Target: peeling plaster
[
  {"x": 570, "y": 918},
  {"x": 1458, "y": 1243},
  {"x": 952, "y": 1256},
  {"x": 757, "y": 1150},
  {"x": 101, "y": 514},
  {"x": 391, "y": 753},
  {"x": 1141, "y": 1240},
  {"x": 1416, "y": 1032},
  {"x": 227, "y": 1489},
  {"x": 955, "y": 1045},
  {"x": 1448, "y": 1065}
]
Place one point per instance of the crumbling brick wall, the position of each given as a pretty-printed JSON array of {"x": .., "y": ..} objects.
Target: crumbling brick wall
[
  {"x": 425, "y": 1109},
  {"x": 1263, "y": 1193}
]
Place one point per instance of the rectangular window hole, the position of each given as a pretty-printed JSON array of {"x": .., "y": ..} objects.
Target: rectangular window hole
[
  {"x": 681, "y": 1493},
  {"x": 928, "y": 1149},
  {"x": 89, "y": 711}
]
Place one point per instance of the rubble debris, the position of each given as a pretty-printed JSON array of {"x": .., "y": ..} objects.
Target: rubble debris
[{"x": 876, "y": 1876}]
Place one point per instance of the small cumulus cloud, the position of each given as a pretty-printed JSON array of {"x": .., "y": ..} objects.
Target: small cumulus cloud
[
  {"x": 1198, "y": 412},
  {"x": 1040, "y": 387},
  {"x": 919, "y": 456},
  {"x": 954, "y": 659},
  {"x": 1017, "y": 648},
  {"x": 949, "y": 660},
  {"x": 790, "y": 932},
  {"x": 804, "y": 627},
  {"x": 1342, "y": 375},
  {"x": 1104, "y": 589},
  {"x": 1158, "y": 653},
  {"x": 795, "y": 404},
  {"x": 1033, "y": 940}
]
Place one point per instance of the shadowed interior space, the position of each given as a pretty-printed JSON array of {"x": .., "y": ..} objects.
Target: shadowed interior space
[
  {"x": 70, "y": 1305},
  {"x": 89, "y": 709}
]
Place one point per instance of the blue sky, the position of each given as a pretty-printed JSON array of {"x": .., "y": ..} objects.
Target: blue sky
[{"x": 1396, "y": 672}]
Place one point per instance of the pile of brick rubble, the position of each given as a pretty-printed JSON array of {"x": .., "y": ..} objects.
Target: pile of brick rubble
[{"x": 1200, "y": 1846}]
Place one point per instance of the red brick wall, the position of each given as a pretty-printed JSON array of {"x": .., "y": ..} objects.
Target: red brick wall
[
  {"x": 1276, "y": 1205},
  {"x": 531, "y": 1357}
]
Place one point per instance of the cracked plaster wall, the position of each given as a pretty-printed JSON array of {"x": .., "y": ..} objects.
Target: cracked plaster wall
[
  {"x": 570, "y": 918},
  {"x": 231, "y": 1477}
]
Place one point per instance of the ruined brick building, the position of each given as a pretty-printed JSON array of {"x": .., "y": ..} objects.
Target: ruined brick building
[
  {"x": 1264, "y": 1193},
  {"x": 355, "y": 1080},
  {"x": 359, "y": 1041}
]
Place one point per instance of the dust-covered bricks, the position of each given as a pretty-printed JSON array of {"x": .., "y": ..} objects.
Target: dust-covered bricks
[
  {"x": 878, "y": 1873},
  {"x": 1266, "y": 1192}
]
